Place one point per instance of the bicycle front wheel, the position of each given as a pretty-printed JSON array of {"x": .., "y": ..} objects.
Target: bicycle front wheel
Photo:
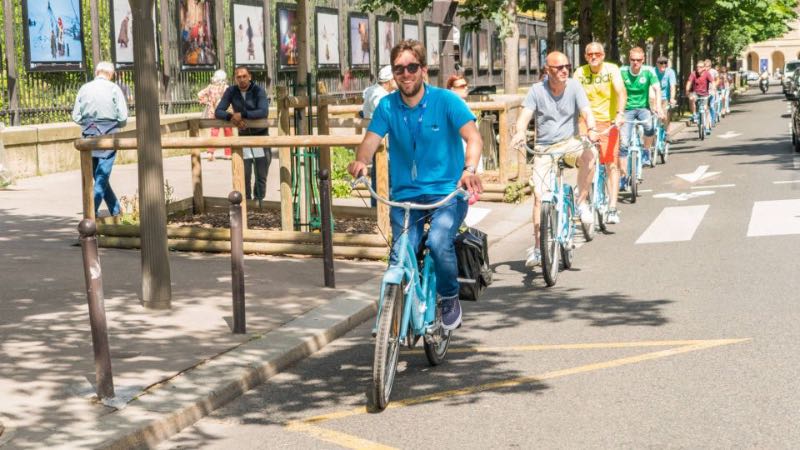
[
  {"x": 436, "y": 345},
  {"x": 634, "y": 177},
  {"x": 701, "y": 126},
  {"x": 387, "y": 348},
  {"x": 568, "y": 232},
  {"x": 548, "y": 242}
]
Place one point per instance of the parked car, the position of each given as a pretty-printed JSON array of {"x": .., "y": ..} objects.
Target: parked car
[
  {"x": 788, "y": 71},
  {"x": 794, "y": 97}
]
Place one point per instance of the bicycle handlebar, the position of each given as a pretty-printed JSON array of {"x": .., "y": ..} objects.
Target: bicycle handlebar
[{"x": 363, "y": 180}]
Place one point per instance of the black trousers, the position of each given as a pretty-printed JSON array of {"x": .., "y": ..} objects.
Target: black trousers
[{"x": 262, "y": 168}]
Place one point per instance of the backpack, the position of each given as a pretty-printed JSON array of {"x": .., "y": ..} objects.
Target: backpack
[{"x": 472, "y": 255}]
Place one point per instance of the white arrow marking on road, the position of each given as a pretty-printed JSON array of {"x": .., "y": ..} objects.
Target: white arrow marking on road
[
  {"x": 713, "y": 186},
  {"x": 729, "y": 134},
  {"x": 674, "y": 224},
  {"x": 698, "y": 174},
  {"x": 774, "y": 218},
  {"x": 683, "y": 196}
]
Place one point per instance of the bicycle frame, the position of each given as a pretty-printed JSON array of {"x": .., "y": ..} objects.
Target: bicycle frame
[
  {"x": 636, "y": 148},
  {"x": 556, "y": 193}
]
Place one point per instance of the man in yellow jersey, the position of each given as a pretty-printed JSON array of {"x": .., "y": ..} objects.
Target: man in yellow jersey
[{"x": 606, "y": 92}]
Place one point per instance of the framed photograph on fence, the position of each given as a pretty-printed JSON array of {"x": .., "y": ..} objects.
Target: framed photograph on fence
[
  {"x": 466, "y": 50},
  {"x": 53, "y": 35},
  {"x": 327, "y": 26},
  {"x": 196, "y": 35},
  {"x": 523, "y": 53},
  {"x": 483, "y": 50},
  {"x": 386, "y": 40},
  {"x": 358, "y": 24},
  {"x": 432, "y": 45},
  {"x": 497, "y": 53},
  {"x": 533, "y": 59},
  {"x": 410, "y": 30},
  {"x": 248, "y": 34},
  {"x": 542, "y": 52},
  {"x": 287, "y": 36},
  {"x": 122, "y": 33}
]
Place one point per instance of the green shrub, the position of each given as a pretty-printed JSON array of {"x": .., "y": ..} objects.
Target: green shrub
[{"x": 514, "y": 193}]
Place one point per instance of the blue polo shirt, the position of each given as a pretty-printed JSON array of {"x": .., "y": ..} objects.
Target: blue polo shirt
[
  {"x": 666, "y": 78},
  {"x": 425, "y": 137}
]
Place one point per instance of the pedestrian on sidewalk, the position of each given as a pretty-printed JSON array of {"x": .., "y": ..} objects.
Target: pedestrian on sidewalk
[
  {"x": 101, "y": 109},
  {"x": 210, "y": 97},
  {"x": 249, "y": 102}
]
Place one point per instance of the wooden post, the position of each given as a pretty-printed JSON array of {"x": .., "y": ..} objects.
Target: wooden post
[
  {"x": 87, "y": 184},
  {"x": 285, "y": 159},
  {"x": 237, "y": 170},
  {"x": 237, "y": 262},
  {"x": 323, "y": 127},
  {"x": 11, "y": 63},
  {"x": 382, "y": 172},
  {"x": 156, "y": 286},
  {"x": 502, "y": 150},
  {"x": 522, "y": 161},
  {"x": 198, "y": 203}
]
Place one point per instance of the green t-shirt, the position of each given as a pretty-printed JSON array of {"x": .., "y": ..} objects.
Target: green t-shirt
[{"x": 638, "y": 86}]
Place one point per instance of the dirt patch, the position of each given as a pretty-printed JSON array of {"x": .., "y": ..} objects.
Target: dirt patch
[{"x": 271, "y": 220}]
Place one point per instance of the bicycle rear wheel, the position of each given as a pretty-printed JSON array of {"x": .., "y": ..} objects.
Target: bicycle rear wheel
[
  {"x": 602, "y": 205},
  {"x": 665, "y": 153},
  {"x": 387, "y": 348},
  {"x": 548, "y": 230},
  {"x": 588, "y": 228}
]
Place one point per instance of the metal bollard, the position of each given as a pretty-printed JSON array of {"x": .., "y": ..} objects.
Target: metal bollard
[
  {"x": 327, "y": 227},
  {"x": 237, "y": 262},
  {"x": 97, "y": 312}
]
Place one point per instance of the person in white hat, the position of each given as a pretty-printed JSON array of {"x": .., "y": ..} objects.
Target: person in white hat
[{"x": 374, "y": 93}]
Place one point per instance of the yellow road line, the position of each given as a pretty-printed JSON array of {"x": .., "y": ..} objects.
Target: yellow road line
[
  {"x": 335, "y": 437},
  {"x": 583, "y": 346},
  {"x": 348, "y": 441}
]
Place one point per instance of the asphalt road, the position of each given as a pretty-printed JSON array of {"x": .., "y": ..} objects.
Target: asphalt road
[{"x": 676, "y": 329}]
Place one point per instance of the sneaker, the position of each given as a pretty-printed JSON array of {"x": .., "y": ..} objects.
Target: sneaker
[
  {"x": 693, "y": 119},
  {"x": 586, "y": 214},
  {"x": 646, "y": 157},
  {"x": 534, "y": 257},
  {"x": 451, "y": 313},
  {"x": 613, "y": 217}
]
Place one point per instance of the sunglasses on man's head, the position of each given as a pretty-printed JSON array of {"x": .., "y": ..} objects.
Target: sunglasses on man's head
[
  {"x": 562, "y": 67},
  {"x": 411, "y": 68}
]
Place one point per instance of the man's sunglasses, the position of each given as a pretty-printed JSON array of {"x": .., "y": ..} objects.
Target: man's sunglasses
[
  {"x": 591, "y": 54},
  {"x": 562, "y": 67},
  {"x": 460, "y": 86},
  {"x": 663, "y": 63},
  {"x": 637, "y": 59},
  {"x": 411, "y": 68}
]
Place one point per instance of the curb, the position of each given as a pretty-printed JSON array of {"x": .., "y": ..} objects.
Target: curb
[{"x": 177, "y": 403}]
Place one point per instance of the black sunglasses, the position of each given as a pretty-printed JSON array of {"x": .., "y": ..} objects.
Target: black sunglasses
[
  {"x": 411, "y": 68},
  {"x": 562, "y": 67},
  {"x": 662, "y": 63}
]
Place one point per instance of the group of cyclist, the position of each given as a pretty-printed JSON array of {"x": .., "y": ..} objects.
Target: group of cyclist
[{"x": 710, "y": 88}]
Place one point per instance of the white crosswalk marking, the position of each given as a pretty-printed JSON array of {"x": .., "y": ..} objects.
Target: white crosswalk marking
[
  {"x": 674, "y": 224},
  {"x": 774, "y": 218}
]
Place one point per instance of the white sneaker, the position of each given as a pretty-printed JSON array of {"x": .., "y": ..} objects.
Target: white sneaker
[
  {"x": 585, "y": 214},
  {"x": 613, "y": 217},
  {"x": 534, "y": 257}
]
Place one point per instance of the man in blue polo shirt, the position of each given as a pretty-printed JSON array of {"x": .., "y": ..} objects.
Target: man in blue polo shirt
[{"x": 427, "y": 161}]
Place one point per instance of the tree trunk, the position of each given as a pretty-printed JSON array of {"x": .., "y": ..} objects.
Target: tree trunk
[
  {"x": 511, "y": 74},
  {"x": 550, "y": 11},
  {"x": 585, "y": 26}
]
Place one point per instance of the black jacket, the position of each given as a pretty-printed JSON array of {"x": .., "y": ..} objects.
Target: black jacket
[{"x": 256, "y": 107}]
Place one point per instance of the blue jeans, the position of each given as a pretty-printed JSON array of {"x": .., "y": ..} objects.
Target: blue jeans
[
  {"x": 101, "y": 168},
  {"x": 445, "y": 222},
  {"x": 642, "y": 114}
]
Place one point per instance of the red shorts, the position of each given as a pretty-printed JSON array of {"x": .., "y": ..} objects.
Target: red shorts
[{"x": 608, "y": 142}]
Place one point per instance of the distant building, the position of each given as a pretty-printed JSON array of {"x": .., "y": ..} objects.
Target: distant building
[{"x": 772, "y": 54}]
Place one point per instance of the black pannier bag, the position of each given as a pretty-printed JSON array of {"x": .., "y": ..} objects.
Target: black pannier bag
[{"x": 472, "y": 253}]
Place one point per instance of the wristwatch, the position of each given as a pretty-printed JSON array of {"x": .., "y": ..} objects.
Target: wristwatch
[{"x": 471, "y": 169}]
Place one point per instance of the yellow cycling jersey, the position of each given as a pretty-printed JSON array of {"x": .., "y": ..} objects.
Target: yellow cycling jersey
[{"x": 600, "y": 90}]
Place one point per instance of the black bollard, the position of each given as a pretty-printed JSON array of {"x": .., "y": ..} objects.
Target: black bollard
[
  {"x": 327, "y": 227},
  {"x": 97, "y": 311},
  {"x": 237, "y": 262}
]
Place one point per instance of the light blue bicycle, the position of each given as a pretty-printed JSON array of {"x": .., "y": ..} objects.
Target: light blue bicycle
[
  {"x": 635, "y": 150},
  {"x": 407, "y": 308},
  {"x": 661, "y": 146}
]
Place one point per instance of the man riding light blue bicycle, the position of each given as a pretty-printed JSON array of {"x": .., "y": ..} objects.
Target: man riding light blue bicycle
[{"x": 427, "y": 161}]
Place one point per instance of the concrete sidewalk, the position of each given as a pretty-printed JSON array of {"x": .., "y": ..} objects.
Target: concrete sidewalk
[{"x": 179, "y": 364}]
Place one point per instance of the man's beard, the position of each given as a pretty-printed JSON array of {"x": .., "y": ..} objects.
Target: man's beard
[{"x": 414, "y": 89}]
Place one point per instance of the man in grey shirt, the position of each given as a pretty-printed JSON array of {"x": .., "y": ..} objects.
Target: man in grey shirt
[{"x": 557, "y": 103}]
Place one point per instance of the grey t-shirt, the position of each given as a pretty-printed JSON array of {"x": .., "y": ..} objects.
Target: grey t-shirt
[{"x": 556, "y": 117}]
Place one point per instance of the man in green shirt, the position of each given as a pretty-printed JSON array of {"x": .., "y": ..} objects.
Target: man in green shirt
[{"x": 641, "y": 84}]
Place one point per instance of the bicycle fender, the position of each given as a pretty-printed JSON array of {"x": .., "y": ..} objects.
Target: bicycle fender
[{"x": 393, "y": 275}]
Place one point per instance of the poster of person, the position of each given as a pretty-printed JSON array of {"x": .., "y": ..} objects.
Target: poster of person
[
  {"x": 287, "y": 37},
  {"x": 386, "y": 40},
  {"x": 358, "y": 24},
  {"x": 248, "y": 35},
  {"x": 196, "y": 34},
  {"x": 542, "y": 52},
  {"x": 432, "y": 45},
  {"x": 53, "y": 35},
  {"x": 497, "y": 53},
  {"x": 327, "y": 38},
  {"x": 466, "y": 50},
  {"x": 410, "y": 30},
  {"x": 523, "y": 53},
  {"x": 483, "y": 50},
  {"x": 122, "y": 33}
]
